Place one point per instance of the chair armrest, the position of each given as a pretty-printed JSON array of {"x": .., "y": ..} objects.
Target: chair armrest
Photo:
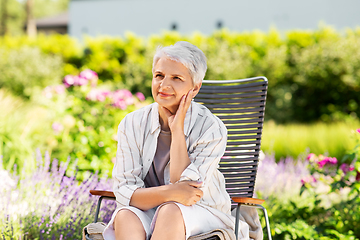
[
  {"x": 102, "y": 193},
  {"x": 245, "y": 200}
]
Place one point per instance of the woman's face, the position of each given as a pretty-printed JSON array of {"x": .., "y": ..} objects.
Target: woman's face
[{"x": 171, "y": 80}]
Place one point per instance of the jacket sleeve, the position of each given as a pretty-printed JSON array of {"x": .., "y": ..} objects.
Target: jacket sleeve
[
  {"x": 206, "y": 154},
  {"x": 128, "y": 168}
]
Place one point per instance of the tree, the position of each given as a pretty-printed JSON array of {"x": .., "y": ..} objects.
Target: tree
[
  {"x": 4, "y": 17},
  {"x": 15, "y": 19},
  {"x": 30, "y": 21}
]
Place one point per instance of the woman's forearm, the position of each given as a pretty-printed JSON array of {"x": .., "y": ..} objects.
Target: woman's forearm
[
  {"x": 179, "y": 159},
  {"x": 186, "y": 193},
  {"x": 147, "y": 198}
]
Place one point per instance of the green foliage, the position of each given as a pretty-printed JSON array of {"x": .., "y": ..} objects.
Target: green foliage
[
  {"x": 313, "y": 75},
  {"x": 326, "y": 207},
  {"x": 16, "y": 12},
  {"x": 24, "y": 129},
  {"x": 295, "y": 139},
  {"x": 26, "y": 71}
]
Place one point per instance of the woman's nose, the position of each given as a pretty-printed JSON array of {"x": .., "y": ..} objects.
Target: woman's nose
[{"x": 165, "y": 83}]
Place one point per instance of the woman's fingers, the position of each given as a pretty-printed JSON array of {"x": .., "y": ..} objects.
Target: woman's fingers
[
  {"x": 187, "y": 192},
  {"x": 195, "y": 184},
  {"x": 185, "y": 101},
  {"x": 188, "y": 99}
]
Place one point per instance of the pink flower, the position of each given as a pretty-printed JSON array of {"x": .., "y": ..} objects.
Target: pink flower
[
  {"x": 346, "y": 168},
  {"x": 326, "y": 160},
  {"x": 140, "y": 96},
  {"x": 322, "y": 163},
  {"x": 311, "y": 157},
  {"x": 358, "y": 130},
  {"x": 122, "y": 98},
  {"x": 332, "y": 160},
  {"x": 57, "y": 127},
  {"x": 69, "y": 80},
  {"x": 92, "y": 95},
  {"x": 101, "y": 96},
  {"x": 59, "y": 89},
  {"x": 88, "y": 74},
  {"x": 120, "y": 104},
  {"x": 81, "y": 81},
  {"x": 308, "y": 179},
  {"x": 48, "y": 92}
]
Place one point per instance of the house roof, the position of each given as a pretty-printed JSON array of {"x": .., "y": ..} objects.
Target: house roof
[{"x": 60, "y": 20}]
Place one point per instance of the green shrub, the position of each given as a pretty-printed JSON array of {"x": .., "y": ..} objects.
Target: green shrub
[
  {"x": 26, "y": 71},
  {"x": 313, "y": 75},
  {"x": 23, "y": 129}
]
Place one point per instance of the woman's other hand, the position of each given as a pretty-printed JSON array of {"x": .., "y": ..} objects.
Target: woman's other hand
[
  {"x": 176, "y": 121},
  {"x": 186, "y": 192}
]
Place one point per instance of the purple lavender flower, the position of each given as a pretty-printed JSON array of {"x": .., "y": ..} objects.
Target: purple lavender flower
[
  {"x": 285, "y": 177},
  {"x": 59, "y": 199},
  {"x": 140, "y": 96}
]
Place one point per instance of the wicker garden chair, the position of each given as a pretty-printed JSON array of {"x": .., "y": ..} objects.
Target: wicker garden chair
[{"x": 240, "y": 104}]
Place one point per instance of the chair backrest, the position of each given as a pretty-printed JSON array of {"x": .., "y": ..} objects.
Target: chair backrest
[{"x": 240, "y": 104}]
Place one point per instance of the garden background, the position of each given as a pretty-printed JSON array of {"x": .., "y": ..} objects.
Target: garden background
[{"x": 61, "y": 101}]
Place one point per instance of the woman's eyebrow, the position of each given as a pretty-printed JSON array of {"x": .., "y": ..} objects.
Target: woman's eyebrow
[{"x": 177, "y": 75}]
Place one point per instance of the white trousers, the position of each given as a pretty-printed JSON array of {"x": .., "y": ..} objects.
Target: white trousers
[{"x": 196, "y": 218}]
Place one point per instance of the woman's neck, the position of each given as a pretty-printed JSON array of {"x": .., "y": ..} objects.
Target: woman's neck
[{"x": 163, "y": 120}]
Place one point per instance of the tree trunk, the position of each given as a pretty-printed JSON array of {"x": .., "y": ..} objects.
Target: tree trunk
[
  {"x": 30, "y": 21},
  {"x": 4, "y": 18}
]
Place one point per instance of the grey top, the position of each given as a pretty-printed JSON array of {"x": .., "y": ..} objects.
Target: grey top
[{"x": 155, "y": 176}]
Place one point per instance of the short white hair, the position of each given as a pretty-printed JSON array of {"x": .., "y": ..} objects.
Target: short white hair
[{"x": 187, "y": 54}]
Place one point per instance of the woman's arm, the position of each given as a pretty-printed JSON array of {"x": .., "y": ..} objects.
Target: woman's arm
[
  {"x": 179, "y": 159},
  {"x": 129, "y": 187},
  {"x": 186, "y": 193}
]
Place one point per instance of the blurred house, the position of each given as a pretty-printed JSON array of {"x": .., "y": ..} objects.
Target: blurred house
[
  {"x": 53, "y": 24},
  {"x": 146, "y": 17}
]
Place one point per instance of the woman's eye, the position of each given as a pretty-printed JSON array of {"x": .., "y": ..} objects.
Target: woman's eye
[{"x": 158, "y": 75}]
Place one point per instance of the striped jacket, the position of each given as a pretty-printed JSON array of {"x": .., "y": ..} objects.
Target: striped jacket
[{"x": 206, "y": 137}]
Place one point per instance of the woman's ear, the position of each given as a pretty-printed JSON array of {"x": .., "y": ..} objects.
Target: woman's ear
[{"x": 196, "y": 89}]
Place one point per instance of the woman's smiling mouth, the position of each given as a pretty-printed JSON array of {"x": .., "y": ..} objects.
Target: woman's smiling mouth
[{"x": 162, "y": 94}]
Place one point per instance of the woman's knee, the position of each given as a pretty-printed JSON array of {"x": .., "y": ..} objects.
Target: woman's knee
[
  {"x": 170, "y": 210},
  {"x": 126, "y": 217}
]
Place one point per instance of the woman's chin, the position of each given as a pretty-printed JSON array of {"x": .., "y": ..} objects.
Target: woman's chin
[{"x": 171, "y": 107}]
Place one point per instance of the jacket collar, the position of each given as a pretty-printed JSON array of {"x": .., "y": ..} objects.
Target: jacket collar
[{"x": 189, "y": 122}]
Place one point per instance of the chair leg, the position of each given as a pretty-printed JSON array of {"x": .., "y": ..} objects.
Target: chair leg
[
  {"x": 266, "y": 220},
  {"x": 98, "y": 209},
  {"x": 237, "y": 220}
]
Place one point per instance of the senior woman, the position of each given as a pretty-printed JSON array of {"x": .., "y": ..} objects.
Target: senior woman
[{"x": 166, "y": 181}]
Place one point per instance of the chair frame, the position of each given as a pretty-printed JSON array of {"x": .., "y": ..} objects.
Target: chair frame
[{"x": 242, "y": 187}]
